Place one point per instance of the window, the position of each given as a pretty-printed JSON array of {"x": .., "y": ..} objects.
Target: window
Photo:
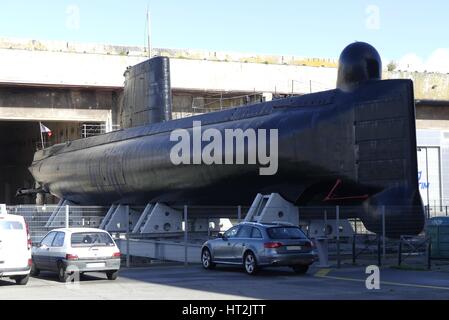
[
  {"x": 256, "y": 234},
  {"x": 231, "y": 233},
  {"x": 48, "y": 240},
  {"x": 59, "y": 240},
  {"x": 10, "y": 225},
  {"x": 245, "y": 232},
  {"x": 89, "y": 239},
  {"x": 285, "y": 233}
]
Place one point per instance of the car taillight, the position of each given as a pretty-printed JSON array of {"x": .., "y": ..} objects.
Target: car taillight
[
  {"x": 309, "y": 245},
  {"x": 116, "y": 255},
  {"x": 272, "y": 245},
  {"x": 71, "y": 256},
  {"x": 29, "y": 243},
  {"x": 30, "y": 262}
]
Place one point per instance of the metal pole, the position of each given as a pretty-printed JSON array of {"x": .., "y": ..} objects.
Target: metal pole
[
  {"x": 429, "y": 254},
  {"x": 325, "y": 223},
  {"x": 186, "y": 238},
  {"x": 379, "y": 256},
  {"x": 384, "y": 249},
  {"x": 208, "y": 228},
  {"x": 150, "y": 49},
  {"x": 239, "y": 213},
  {"x": 42, "y": 135},
  {"x": 428, "y": 184},
  {"x": 337, "y": 213},
  {"x": 353, "y": 250},
  {"x": 400, "y": 252},
  {"x": 67, "y": 221},
  {"x": 128, "y": 260}
]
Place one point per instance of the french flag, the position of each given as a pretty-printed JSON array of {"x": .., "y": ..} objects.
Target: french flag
[{"x": 44, "y": 129}]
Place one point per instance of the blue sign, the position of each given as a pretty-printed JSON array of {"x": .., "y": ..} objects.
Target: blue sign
[{"x": 422, "y": 185}]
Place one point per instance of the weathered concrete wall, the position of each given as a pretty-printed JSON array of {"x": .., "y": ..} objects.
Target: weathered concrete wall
[
  {"x": 106, "y": 71},
  {"x": 51, "y": 104},
  {"x": 68, "y": 98},
  {"x": 71, "y": 64},
  {"x": 432, "y": 86},
  {"x": 83, "y": 48}
]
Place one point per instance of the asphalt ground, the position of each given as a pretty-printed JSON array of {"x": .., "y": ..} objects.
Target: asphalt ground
[{"x": 175, "y": 282}]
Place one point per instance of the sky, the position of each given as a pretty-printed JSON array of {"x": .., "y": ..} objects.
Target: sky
[{"x": 415, "y": 34}]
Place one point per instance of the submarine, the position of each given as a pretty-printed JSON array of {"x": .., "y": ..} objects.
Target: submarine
[{"x": 354, "y": 147}]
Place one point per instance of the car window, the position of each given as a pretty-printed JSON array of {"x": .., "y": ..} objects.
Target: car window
[
  {"x": 48, "y": 240},
  {"x": 58, "y": 242},
  {"x": 231, "y": 233},
  {"x": 286, "y": 233},
  {"x": 88, "y": 239},
  {"x": 256, "y": 234},
  {"x": 244, "y": 232},
  {"x": 10, "y": 225}
]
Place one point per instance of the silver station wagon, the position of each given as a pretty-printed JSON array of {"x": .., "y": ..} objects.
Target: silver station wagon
[{"x": 256, "y": 245}]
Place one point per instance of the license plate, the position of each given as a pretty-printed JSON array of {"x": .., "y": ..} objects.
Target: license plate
[
  {"x": 96, "y": 265},
  {"x": 294, "y": 248}
]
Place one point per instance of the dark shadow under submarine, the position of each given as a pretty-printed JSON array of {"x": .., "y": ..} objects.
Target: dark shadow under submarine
[{"x": 354, "y": 146}]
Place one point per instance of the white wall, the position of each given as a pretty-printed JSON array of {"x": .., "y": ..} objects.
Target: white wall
[{"x": 103, "y": 70}]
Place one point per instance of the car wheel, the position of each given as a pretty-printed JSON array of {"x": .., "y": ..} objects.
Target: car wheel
[
  {"x": 206, "y": 259},
  {"x": 250, "y": 263},
  {"x": 22, "y": 280},
  {"x": 34, "y": 270},
  {"x": 112, "y": 275},
  {"x": 62, "y": 273},
  {"x": 300, "y": 269}
]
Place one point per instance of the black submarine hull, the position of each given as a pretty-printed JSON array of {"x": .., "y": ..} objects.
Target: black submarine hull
[{"x": 355, "y": 149}]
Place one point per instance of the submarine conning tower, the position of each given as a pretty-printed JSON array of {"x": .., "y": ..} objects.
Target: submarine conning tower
[
  {"x": 147, "y": 95},
  {"x": 359, "y": 62}
]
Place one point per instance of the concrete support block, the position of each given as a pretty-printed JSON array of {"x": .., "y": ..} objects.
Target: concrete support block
[
  {"x": 273, "y": 208},
  {"x": 163, "y": 219}
]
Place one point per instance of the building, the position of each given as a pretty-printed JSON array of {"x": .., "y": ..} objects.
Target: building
[{"x": 76, "y": 90}]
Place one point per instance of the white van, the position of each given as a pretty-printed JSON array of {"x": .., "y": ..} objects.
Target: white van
[{"x": 15, "y": 248}]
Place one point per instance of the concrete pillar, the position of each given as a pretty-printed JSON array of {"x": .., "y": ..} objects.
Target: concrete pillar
[{"x": 109, "y": 122}]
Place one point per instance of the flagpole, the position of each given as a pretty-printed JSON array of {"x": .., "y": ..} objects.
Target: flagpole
[
  {"x": 42, "y": 136},
  {"x": 150, "y": 49}
]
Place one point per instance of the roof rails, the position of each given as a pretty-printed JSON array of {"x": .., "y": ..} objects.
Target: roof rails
[{"x": 274, "y": 223}]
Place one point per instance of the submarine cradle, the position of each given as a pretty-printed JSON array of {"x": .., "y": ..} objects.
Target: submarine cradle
[{"x": 354, "y": 146}]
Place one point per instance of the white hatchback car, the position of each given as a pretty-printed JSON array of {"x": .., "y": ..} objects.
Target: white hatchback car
[
  {"x": 15, "y": 248},
  {"x": 76, "y": 250}
]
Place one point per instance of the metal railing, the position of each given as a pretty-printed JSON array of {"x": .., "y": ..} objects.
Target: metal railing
[
  {"x": 91, "y": 130},
  {"x": 348, "y": 241}
]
